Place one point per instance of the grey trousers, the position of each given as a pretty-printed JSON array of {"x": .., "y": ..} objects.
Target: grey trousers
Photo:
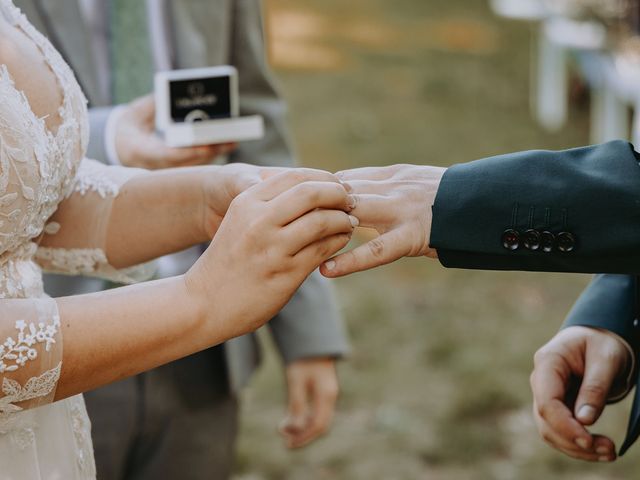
[{"x": 175, "y": 422}]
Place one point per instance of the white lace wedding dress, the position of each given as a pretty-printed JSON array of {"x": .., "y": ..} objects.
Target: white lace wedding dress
[{"x": 40, "y": 169}]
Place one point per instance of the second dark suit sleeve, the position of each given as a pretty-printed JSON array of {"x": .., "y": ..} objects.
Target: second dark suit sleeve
[
  {"x": 609, "y": 302},
  {"x": 570, "y": 211}
]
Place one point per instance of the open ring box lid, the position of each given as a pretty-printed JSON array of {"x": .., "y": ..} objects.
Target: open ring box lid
[{"x": 199, "y": 106}]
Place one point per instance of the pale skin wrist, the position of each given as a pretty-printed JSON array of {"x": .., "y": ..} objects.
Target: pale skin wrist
[
  {"x": 170, "y": 218},
  {"x": 208, "y": 306},
  {"x": 199, "y": 304},
  {"x": 165, "y": 211},
  {"x": 156, "y": 322}
]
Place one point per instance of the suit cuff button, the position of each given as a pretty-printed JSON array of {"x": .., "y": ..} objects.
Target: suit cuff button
[
  {"x": 511, "y": 239},
  {"x": 531, "y": 239},
  {"x": 566, "y": 242},
  {"x": 547, "y": 241}
]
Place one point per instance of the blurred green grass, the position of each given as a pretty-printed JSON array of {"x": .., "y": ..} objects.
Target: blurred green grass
[{"x": 437, "y": 383}]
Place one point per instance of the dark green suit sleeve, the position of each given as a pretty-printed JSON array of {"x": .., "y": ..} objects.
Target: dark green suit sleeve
[
  {"x": 609, "y": 303},
  {"x": 492, "y": 214},
  {"x": 590, "y": 195}
]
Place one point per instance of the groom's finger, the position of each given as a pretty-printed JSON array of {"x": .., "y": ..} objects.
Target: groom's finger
[
  {"x": 601, "y": 449},
  {"x": 362, "y": 187},
  {"x": 366, "y": 173},
  {"x": 384, "y": 249},
  {"x": 600, "y": 371},
  {"x": 605, "y": 448},
  {"x": 549, "y": 384},
  {"x": 373, "y": 211},
  {"x": 268, "y": 172},
  {"x": 556, "y": 439}
]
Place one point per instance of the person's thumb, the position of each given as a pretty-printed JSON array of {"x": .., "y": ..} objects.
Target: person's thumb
[{"x": 601, "y": 370}]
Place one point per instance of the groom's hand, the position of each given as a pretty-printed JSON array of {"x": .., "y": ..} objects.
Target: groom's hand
[
  {"x": 573, "y": 377},
  {"x": 312, "y": 386},
  {"x": 137, "y": 144},
  {"x": 396, "y": 201}
]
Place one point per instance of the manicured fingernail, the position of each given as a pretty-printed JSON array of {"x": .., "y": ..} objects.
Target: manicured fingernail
[
  {"x": 354, "y": 221},
  {"x": 351, "y": 201},
  {"x": 330, "y": 265},
  {"x": 604, "y": 459},
  {"x": 587, "y": 413},
  {"x": 583, "y": 443},
  {"x": 602, "y": 450}
]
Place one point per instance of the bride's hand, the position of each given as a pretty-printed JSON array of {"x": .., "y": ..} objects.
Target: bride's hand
[
  {"x": 272, "y": 237},
  {"x": 221, "y": 184}
]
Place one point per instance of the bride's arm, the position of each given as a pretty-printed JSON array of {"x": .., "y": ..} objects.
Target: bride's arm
[
  {"x": 272, "y": 237},
  {"x": 116, "y": 217}
]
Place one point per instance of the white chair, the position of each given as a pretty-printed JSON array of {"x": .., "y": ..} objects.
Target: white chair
[
  {"x": 528, "y": 10},
  {"x": 626, "y": 75},
  {"x": 609, "y": 107},
  {"x": 557, "y": 37}
]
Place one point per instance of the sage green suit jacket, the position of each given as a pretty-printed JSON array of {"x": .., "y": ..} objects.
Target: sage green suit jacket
[{"x": 570, "y": 211}]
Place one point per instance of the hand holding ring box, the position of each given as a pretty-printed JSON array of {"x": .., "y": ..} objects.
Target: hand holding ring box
[{"x": 199, "y": 106}]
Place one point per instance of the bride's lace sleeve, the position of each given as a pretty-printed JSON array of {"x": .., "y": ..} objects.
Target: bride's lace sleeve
[
  {"x": 75, "y": 237},
  {"x": 30, "y": 354},
  {"x": 30, "y": 335}
]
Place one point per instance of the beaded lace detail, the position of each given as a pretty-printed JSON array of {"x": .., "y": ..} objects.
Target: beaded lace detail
[
  {"x": 18, "y": 350},
  {"x": 89, "y": 261},
  {"x": 39, "y": 386},
  {"x": 90, "y": 178}
]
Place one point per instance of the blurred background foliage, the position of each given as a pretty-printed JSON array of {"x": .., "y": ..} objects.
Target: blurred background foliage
[{"x": 436, "y": 386}]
